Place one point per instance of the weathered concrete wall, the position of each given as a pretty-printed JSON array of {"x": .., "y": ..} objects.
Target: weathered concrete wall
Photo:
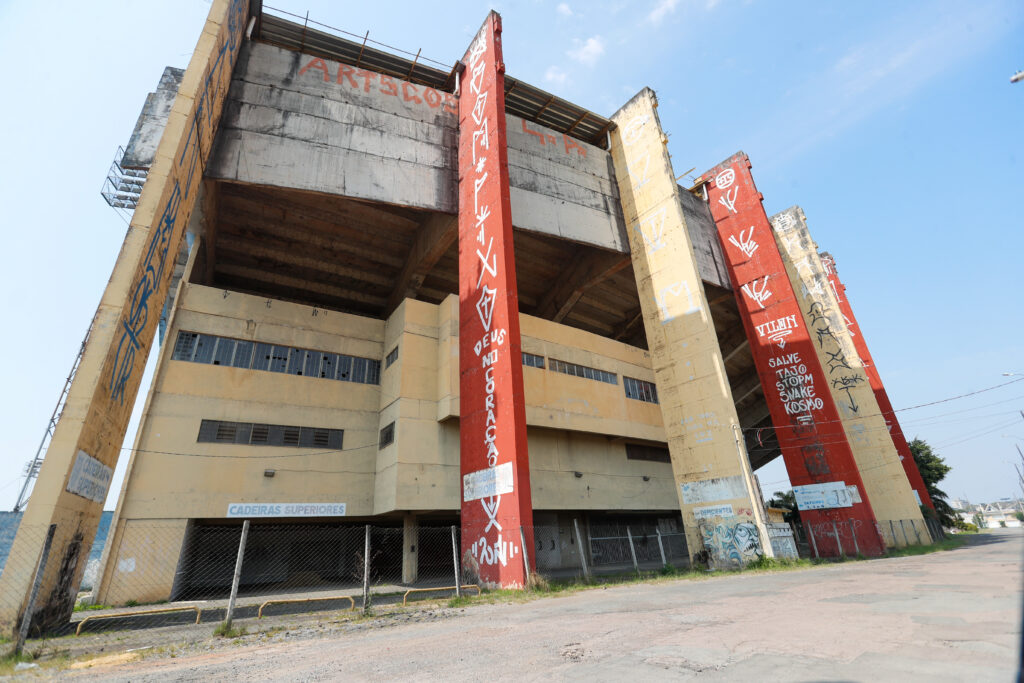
[
  {"x": 141, "y": 147},
  {"x": 563, "y": 186},
  {"x": 885, "y": 482},
  {"x": 302, "y": 122},
  {"x": 707, "y": 249},
  {"x": 717, "y": 495}
]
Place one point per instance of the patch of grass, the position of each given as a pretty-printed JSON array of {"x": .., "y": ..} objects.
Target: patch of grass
[
  {"x": 950, "y": 543},
  {"x": 131, "y": 603},
  {"x": 222, "y": 631},
  {"x": 11, "y": 660},
  {"x": 86, "y": 608}
]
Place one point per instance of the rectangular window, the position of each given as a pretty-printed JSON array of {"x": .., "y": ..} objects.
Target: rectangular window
[
  {"x": 372, "y": 372},
  {"x": 358, "y": 370},
  {"x": 329, "y": 366},
  {"x": 640, "y": 390},
  {"x": 243, "y": 354},
  {"x": 584, "y": 371},
  {"x": 387, "y": 436},
  {"x": 261, "y": 359},
  {"x": 532, "y": 361},
  {"x": 391, "y": 358},
  {"x": 313, "y": 361},
  {"x": 219, "y": 431},
  {"x": 296, "y": 361},
  {"x": 260, "y": 434},
  {"x": 345, "y": 368},
  {"x": 649, "y": 453},
  {"x": 184, "y": 346},
  {"x": 290, "y": 436},
  {"x": 279, "y": 358},
  {"x": 225, "y": 350},
  {"x": 205, "y": 348}
]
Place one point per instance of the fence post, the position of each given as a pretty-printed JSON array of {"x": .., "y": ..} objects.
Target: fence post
[
  {"x": 904, "y": 530},
  {"x": 526, "y": 556},
  {"x": 809, "y": 528},
  {"x": 237, "y": 577},
  {"x": 892, "y": 529},
  {"x": 839, "y": 544},
  {"x": 917, "y": 533},
  {"x": 853, "y": 533},
  {"x": 455, "y": 559},
  {"x": 632, "y": 551},
  {"x": 661, "y": 547},
  {"x": 583, "y": 554},
  {"x": 366, "y": 570},
  {"x": 26, "y": 619}
]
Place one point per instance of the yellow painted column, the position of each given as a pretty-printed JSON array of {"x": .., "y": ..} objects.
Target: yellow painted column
[
  {"x": 86, "y": 444},
  {"x": 885, "y": 481},
  {"x": 717, "y": 496}
]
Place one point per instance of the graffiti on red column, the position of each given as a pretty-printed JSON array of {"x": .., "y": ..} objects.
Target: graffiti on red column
[
  {"x": 805, "y": 417},
  {"x": 496, "y": 501},
  {"x": 875, "y": 380}
]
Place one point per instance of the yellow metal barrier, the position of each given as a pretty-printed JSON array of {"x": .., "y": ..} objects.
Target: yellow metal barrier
[
  {"x": 439, "y": 588},
  {"x": 78, "y": 631},
  {"x": 259, "y": 614}
]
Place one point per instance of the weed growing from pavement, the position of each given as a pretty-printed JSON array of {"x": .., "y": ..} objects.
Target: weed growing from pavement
[{"x": 224, "y": 631}]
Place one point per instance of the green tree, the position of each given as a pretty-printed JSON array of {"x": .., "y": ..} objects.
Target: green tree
[{"x": 934, "y": 469}]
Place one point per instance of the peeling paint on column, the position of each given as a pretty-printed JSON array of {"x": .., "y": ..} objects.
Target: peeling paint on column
[{"x": 709, "y": 461}]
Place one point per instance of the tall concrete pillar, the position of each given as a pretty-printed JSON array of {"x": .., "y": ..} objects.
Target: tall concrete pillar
[
  {"x": 410, "y": 542},
  {"x": 495, "y": 464},
  {"x": 818, "y": 456},
  {"x": 885, "y": 481},
  {"x": 721, "y": 513},
  {"x": 875, "y": 380},
  {"x": 83, "y": 453}
]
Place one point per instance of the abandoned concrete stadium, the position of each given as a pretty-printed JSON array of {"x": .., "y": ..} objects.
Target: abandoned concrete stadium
[{"x": 406, "y": 296}]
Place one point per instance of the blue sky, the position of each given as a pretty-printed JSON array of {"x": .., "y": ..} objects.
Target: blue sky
[{"x": 894, "y": 125}]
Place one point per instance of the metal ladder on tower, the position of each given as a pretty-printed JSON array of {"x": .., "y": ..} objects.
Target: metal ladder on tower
[{"x": 32, "y": 466}]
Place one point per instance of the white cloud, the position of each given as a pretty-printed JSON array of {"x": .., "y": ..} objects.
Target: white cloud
[
  {"x": 564, "y": 9},
  {"x": 664, "y": 7},
  {"x": 589, "y": 52},
  {"x": 555, "y": 75}
]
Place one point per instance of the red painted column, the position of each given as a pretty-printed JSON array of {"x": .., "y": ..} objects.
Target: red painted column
[
  {"x": 806, "y": 420},
  {"x": 859, "y": 343},
  {"x": 495, "y": 463}
]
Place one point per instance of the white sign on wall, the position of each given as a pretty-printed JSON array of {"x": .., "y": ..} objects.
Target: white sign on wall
[
  {"x": 89, "y": 478},
  {"x": 833, "y": 494},
  {"x": 713, "y": 511},
  {"x": 286, "y": 510},
  {"x": 493, "y": 481}
]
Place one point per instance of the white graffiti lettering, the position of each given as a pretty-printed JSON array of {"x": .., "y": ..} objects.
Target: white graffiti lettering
[{"x": 758, "y": 290}]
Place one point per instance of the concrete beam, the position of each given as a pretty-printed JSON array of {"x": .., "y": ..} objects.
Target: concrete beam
[
  {"x": 586, "y": 271},
  {"x": 435, "y": 237},
  {"x": 260, "y": 275}
]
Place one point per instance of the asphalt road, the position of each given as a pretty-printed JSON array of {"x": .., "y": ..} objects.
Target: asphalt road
[{"x": 949, "y": 616}]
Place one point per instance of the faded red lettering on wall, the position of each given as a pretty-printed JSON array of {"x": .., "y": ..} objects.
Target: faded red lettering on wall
[{"x": 363, "y": 79}]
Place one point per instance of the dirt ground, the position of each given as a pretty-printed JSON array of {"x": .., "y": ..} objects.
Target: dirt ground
[{"x": 946, "y": 616}]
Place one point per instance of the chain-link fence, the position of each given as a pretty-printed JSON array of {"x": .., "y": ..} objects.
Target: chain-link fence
[
  {"x": 843, "y": 537},
  {"x": 163, "y": 575},
  {"x": 182, "y": 575}
]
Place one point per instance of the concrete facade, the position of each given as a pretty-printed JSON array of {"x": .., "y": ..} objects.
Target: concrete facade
[{"x": 322, "y": 207}]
